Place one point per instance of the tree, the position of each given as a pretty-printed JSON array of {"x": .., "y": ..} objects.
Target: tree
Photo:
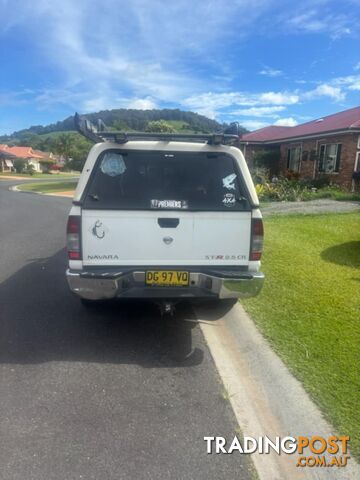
[
  {"x": 159, "y": 126},
  {"x": 121, "y": 126},
  {"x": 19, "y": 164},
  {"x": 63, "y": 146}
]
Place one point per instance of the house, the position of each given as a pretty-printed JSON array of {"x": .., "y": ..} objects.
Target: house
[
  {"x": 35, "y": 158},
  {"x": 328, "y": 146},
  {"x": 6, "y": 160},
  {"x": 6, "y": 164}
]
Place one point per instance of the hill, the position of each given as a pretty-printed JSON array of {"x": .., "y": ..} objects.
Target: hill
[
  {"x": 60, "y": 137},
  {"x": 125, "y": 119}
]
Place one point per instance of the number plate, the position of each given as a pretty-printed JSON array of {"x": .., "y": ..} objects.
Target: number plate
[{"x": 168, "y": 278}]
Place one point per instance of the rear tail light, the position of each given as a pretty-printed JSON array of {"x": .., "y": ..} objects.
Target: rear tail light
[
  {"x": 257, "y": 238},
  {"x": 73, "y": 237}
]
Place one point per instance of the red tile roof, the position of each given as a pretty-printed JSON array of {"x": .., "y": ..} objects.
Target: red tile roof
[
  {"x": 346, "y": 120},
  {"x": 266, "y": 133},
  {"x": 21, "y": 152}
]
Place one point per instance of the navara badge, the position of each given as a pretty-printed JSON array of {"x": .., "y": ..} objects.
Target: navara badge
[{"x": 167, "y": 240}]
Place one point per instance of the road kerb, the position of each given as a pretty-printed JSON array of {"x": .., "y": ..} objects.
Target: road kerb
[{"x": 265, "y": 397}]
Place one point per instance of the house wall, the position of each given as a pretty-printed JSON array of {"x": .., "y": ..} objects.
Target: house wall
[
  {"x": 36, "y": 164},
  {"x": 310, "y": 168},
  {"x": 250, "y": 151}
]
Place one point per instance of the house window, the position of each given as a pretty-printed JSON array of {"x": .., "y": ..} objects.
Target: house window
[
  {"x": 293, "y": 160},
  {"x": 358, "y": 145},
  {"x": 357, "y": 163},
  {"x": 329, "y": 160}
]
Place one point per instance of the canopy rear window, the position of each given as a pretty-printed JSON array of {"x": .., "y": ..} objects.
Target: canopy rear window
[{"x": 138, "y": 180}]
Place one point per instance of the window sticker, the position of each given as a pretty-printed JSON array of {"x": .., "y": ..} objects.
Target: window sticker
[
  {"x": 113, "y": 165},
  {"x": 229, "y": 200},
  {"x": 181, "y": 204},
  {"x": 228, "y": 182}
]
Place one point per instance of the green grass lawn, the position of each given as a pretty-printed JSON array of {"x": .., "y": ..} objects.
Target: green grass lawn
[
  {"x": 334, "y": 194},
  {"x": 48, "y": 187},
  {"x": 309, "y": 309},
  {"x": 40, "y": 175}
]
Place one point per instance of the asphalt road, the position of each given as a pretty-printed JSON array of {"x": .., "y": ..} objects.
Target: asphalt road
[{"x": 109, "y": 394}]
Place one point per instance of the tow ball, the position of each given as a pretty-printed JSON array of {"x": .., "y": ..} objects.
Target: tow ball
[{"x": 167, "y": 307}]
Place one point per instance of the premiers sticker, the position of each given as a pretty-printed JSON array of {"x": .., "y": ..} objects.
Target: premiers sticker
[
  {"x": 179, "y": 204},
  {"x": 113, "y": 164},
  {"x": 229, "y": 200}
]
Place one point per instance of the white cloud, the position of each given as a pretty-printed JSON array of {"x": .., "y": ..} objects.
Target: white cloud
[
  {"x": 142, "y": 104},
  {"x": 217, "y": 101},
  {"x": 321, "y": 21},
  {"x": 325, "y": 90},
  {"x": 88, "y": 101},
  {"x": 259, "y": 111},
  {"x": 278, "y": 98},
  {"x": 351, "y": 82},
  {"x": 357, "y": 66},
  {"x": 286, "y": 122},
  {"x": 265, "y": 104},
  {"x": 355, "y": 85},
  {"x": 207, "y": 112},
  {"x": 138, "y": 48},
  {"x": 253, "y": 124},
  {"x": 270, "y": 72},
  {"x": 107, "y": 56}
]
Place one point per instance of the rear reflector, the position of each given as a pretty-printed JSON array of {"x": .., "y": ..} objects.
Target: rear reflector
[
  {"x": 257, "y": 238},
  {"x": 73, "y": 237}
]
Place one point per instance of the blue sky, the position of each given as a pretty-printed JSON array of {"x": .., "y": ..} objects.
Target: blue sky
[{"x": 259, "y": 62}]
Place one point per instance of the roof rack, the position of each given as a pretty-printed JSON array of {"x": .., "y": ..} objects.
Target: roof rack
[{"x": 98, "y": 133}]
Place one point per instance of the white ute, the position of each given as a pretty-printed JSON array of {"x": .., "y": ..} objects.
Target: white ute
[{"x": 163, "y": 217}]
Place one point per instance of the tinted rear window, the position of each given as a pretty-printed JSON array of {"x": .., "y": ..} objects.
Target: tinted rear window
[{"x": 137, "y": 180}]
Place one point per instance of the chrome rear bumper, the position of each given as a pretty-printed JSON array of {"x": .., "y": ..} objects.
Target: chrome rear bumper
[{"x": 93, "y": 285}]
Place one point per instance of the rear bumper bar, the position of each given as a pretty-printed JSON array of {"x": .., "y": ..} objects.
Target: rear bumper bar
[{"x": 105, "y": 285}]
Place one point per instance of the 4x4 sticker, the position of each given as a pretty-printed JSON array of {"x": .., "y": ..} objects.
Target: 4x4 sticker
[
  {"x": 229, "y": 200},
  {"x": 228, "y": 182},
  {"x": 98, "y": 229},
  {"x": 113, "y": 164},
  {"x": 181, "y": 204}
]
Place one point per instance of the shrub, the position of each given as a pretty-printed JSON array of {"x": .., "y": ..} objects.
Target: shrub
[
  {"x": 292, "y": 191},
  {"x": 320, "y": 182},
  {"x": 46, "y": 165},
  {"x": 290, "y": 175},
  {"x": 260, "y": 175},
  {"x": 19, "y": 165},
  {"x": 266, "y": 159},
  {"x": 29, "y": 169},
  {"x": 283, "y": 190},
  {"x": 159, "y": 126}
]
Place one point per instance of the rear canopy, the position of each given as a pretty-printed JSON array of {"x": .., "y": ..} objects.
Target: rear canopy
[{"x": 166, "y": 180}]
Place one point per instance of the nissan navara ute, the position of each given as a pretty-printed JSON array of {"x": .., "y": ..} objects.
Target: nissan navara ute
[{"x": 163, "y": 217}]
